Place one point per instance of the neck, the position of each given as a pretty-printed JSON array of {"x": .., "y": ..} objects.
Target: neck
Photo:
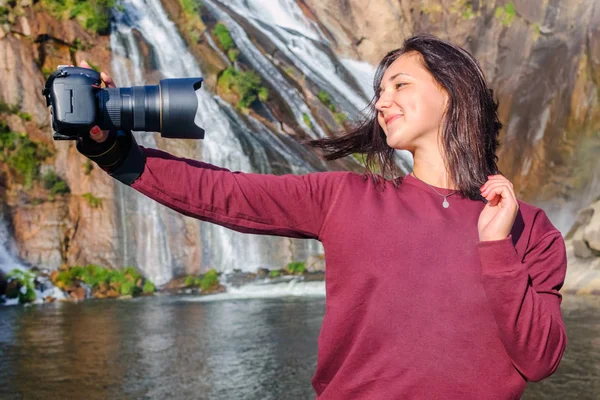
[
  {"x": 431, "y": 169},
  {"x": 429, "y": 165}
]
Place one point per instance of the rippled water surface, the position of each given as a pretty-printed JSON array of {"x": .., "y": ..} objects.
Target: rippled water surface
[{"x": 179, "y": 348}]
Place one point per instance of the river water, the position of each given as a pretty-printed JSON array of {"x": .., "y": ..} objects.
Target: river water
[{"x": 229, "y": 348}]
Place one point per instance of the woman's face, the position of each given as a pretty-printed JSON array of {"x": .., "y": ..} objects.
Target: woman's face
[{"x": 411, "y": 105}]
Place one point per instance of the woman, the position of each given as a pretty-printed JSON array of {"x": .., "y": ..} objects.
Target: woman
[{"x": 440, "y": 284}]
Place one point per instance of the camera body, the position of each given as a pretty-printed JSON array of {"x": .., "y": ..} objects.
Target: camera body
[
  {"x": 77, "y": 103},
  {"x": 70, "y": 94}
]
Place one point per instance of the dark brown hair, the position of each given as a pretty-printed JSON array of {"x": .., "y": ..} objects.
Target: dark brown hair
[{"x": 471, "y": 126}]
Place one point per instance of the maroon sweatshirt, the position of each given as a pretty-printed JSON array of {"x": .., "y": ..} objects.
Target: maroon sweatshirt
[{"x": 416, "y": 306}]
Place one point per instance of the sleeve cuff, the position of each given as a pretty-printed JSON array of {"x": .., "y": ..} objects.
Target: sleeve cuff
[
  {"x": 498, "y": 256},
  {"x": 132, "y": 166}
]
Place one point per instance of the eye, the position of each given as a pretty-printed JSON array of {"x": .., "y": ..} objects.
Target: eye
[{"x": 396, "y": 86}]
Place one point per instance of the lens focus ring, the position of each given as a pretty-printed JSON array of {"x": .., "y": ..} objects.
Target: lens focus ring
[{"x": 111, "y": 103}]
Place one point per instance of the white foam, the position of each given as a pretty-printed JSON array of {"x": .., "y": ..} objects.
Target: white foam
[
  {"x": 363, "y": 72},
  {"x": 12, "y": 302},
  {"x": 8, "y": 261},
  {"x": 266, "y": 289}
]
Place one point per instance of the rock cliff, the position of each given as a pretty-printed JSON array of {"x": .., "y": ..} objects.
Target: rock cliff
[{"x": 541, "y": 58}]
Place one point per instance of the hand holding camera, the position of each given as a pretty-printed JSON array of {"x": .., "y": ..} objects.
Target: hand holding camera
[
  {"x": 77, "y": 103},
  {"x": 101, "y": 119},
  {"x": 96, "y": 133}
]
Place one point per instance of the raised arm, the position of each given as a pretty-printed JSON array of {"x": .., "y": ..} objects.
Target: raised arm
[{"x": 286, "y": 205}]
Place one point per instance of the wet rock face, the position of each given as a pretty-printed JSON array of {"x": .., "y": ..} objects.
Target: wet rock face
[
  {"x": 583, "y": 252},
  {"x": 585, "y": 234},
  {"x": 371, "y": 28},
  {"x": 40, "y": 231},
  {"x": 49, "y": 233},
  {"x": 543, "y": 61}
]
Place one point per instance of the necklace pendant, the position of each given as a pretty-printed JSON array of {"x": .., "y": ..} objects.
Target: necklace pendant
[{"x": 445, "y": 203}]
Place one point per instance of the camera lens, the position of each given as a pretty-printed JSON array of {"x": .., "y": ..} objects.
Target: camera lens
[
  {"x": 169, "y": 108},
  {"x": 132, "y": 108}
]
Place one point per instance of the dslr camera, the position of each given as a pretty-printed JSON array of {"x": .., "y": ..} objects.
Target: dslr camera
[{"x": 77, "y": 103}]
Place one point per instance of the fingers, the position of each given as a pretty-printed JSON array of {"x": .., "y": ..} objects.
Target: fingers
[
  {"x": 495, "y": 179},
  {"x": 493, "y": 187},
  {"x": 98, "y": 135},
  {"x": 495, "y": 192},
  {"x": 107, "y": 80}
]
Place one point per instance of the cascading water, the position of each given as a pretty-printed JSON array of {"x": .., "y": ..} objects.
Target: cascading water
[
  {"x": 8, "y": 261},
  {"x": 298, "y": 39},
  {"x": 151, "y": 235},
  {"x": 349, "y": 82},
  {"x": 268, "y": 71}
]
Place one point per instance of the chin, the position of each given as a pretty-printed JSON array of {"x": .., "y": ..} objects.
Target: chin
[
  {"x": 396, "y": 143},
  {"x": 397, "y": 146}
]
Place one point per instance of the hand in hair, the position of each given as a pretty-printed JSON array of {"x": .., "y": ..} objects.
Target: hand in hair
[{"x": 498, "y": 215}]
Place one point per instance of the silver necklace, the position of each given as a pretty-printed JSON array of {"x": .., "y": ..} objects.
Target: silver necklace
[{"x": 445, "y": 196}]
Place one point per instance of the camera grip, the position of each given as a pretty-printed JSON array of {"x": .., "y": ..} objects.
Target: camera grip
[{"x": 119, "y": 155}]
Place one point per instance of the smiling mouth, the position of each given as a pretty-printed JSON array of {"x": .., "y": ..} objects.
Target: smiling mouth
[{"x": 392, "y": 119}]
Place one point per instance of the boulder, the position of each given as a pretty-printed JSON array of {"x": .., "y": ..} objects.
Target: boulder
[
  {"x": 583, "y": 252},
  {"x": 77, "y": 294},
  {"x": 315, "y": 263},
  {"x": 262, "y": 273},
  {"x": 12, "y": 289},
  {"x": 214, "y": 290}
]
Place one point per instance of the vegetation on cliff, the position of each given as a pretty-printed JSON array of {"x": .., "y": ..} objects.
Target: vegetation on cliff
[
  {"x": 21, "y": 155},
  {"x": 92, "y": 200},
  {"x": 208, "y": 282},
  {"x": 226, "y": 41},
  {"x": 22, "y": 287},
  {"x": 505, "y": 14},
  {"x": 104, "y": 282},
  {"x": 325, "y": 98},
  {"x": 54, "y": 183},
  {"x": 296, "y": 268},
  {"x": 93, "y": 15},
  {"x": 245, "y": 85},
  {"x": 193, "y": 23},
  {"x": 77, "y": 282},
  {"x": 14, "y": 109}
]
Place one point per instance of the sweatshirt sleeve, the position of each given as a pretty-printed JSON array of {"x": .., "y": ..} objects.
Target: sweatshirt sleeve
[
  {"x": 525, "y": 300},
  {"x": 282, "y": 205}
]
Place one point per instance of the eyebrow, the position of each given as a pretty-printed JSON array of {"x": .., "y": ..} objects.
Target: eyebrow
[{"x": 394, "y": 77}]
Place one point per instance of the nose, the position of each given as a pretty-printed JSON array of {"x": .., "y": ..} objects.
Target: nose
[{"x": 383, "y": 102}]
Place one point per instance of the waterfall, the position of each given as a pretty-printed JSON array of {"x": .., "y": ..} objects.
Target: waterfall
[
  {"x": 298, "y": 39},
  {"x": 8, "y": 261},
  {"x": 268, "y": 71},
  {"x": 363, "y": 73},
  {"x": 348, "y": 82},
  {"x": 151, "y": 236}
]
